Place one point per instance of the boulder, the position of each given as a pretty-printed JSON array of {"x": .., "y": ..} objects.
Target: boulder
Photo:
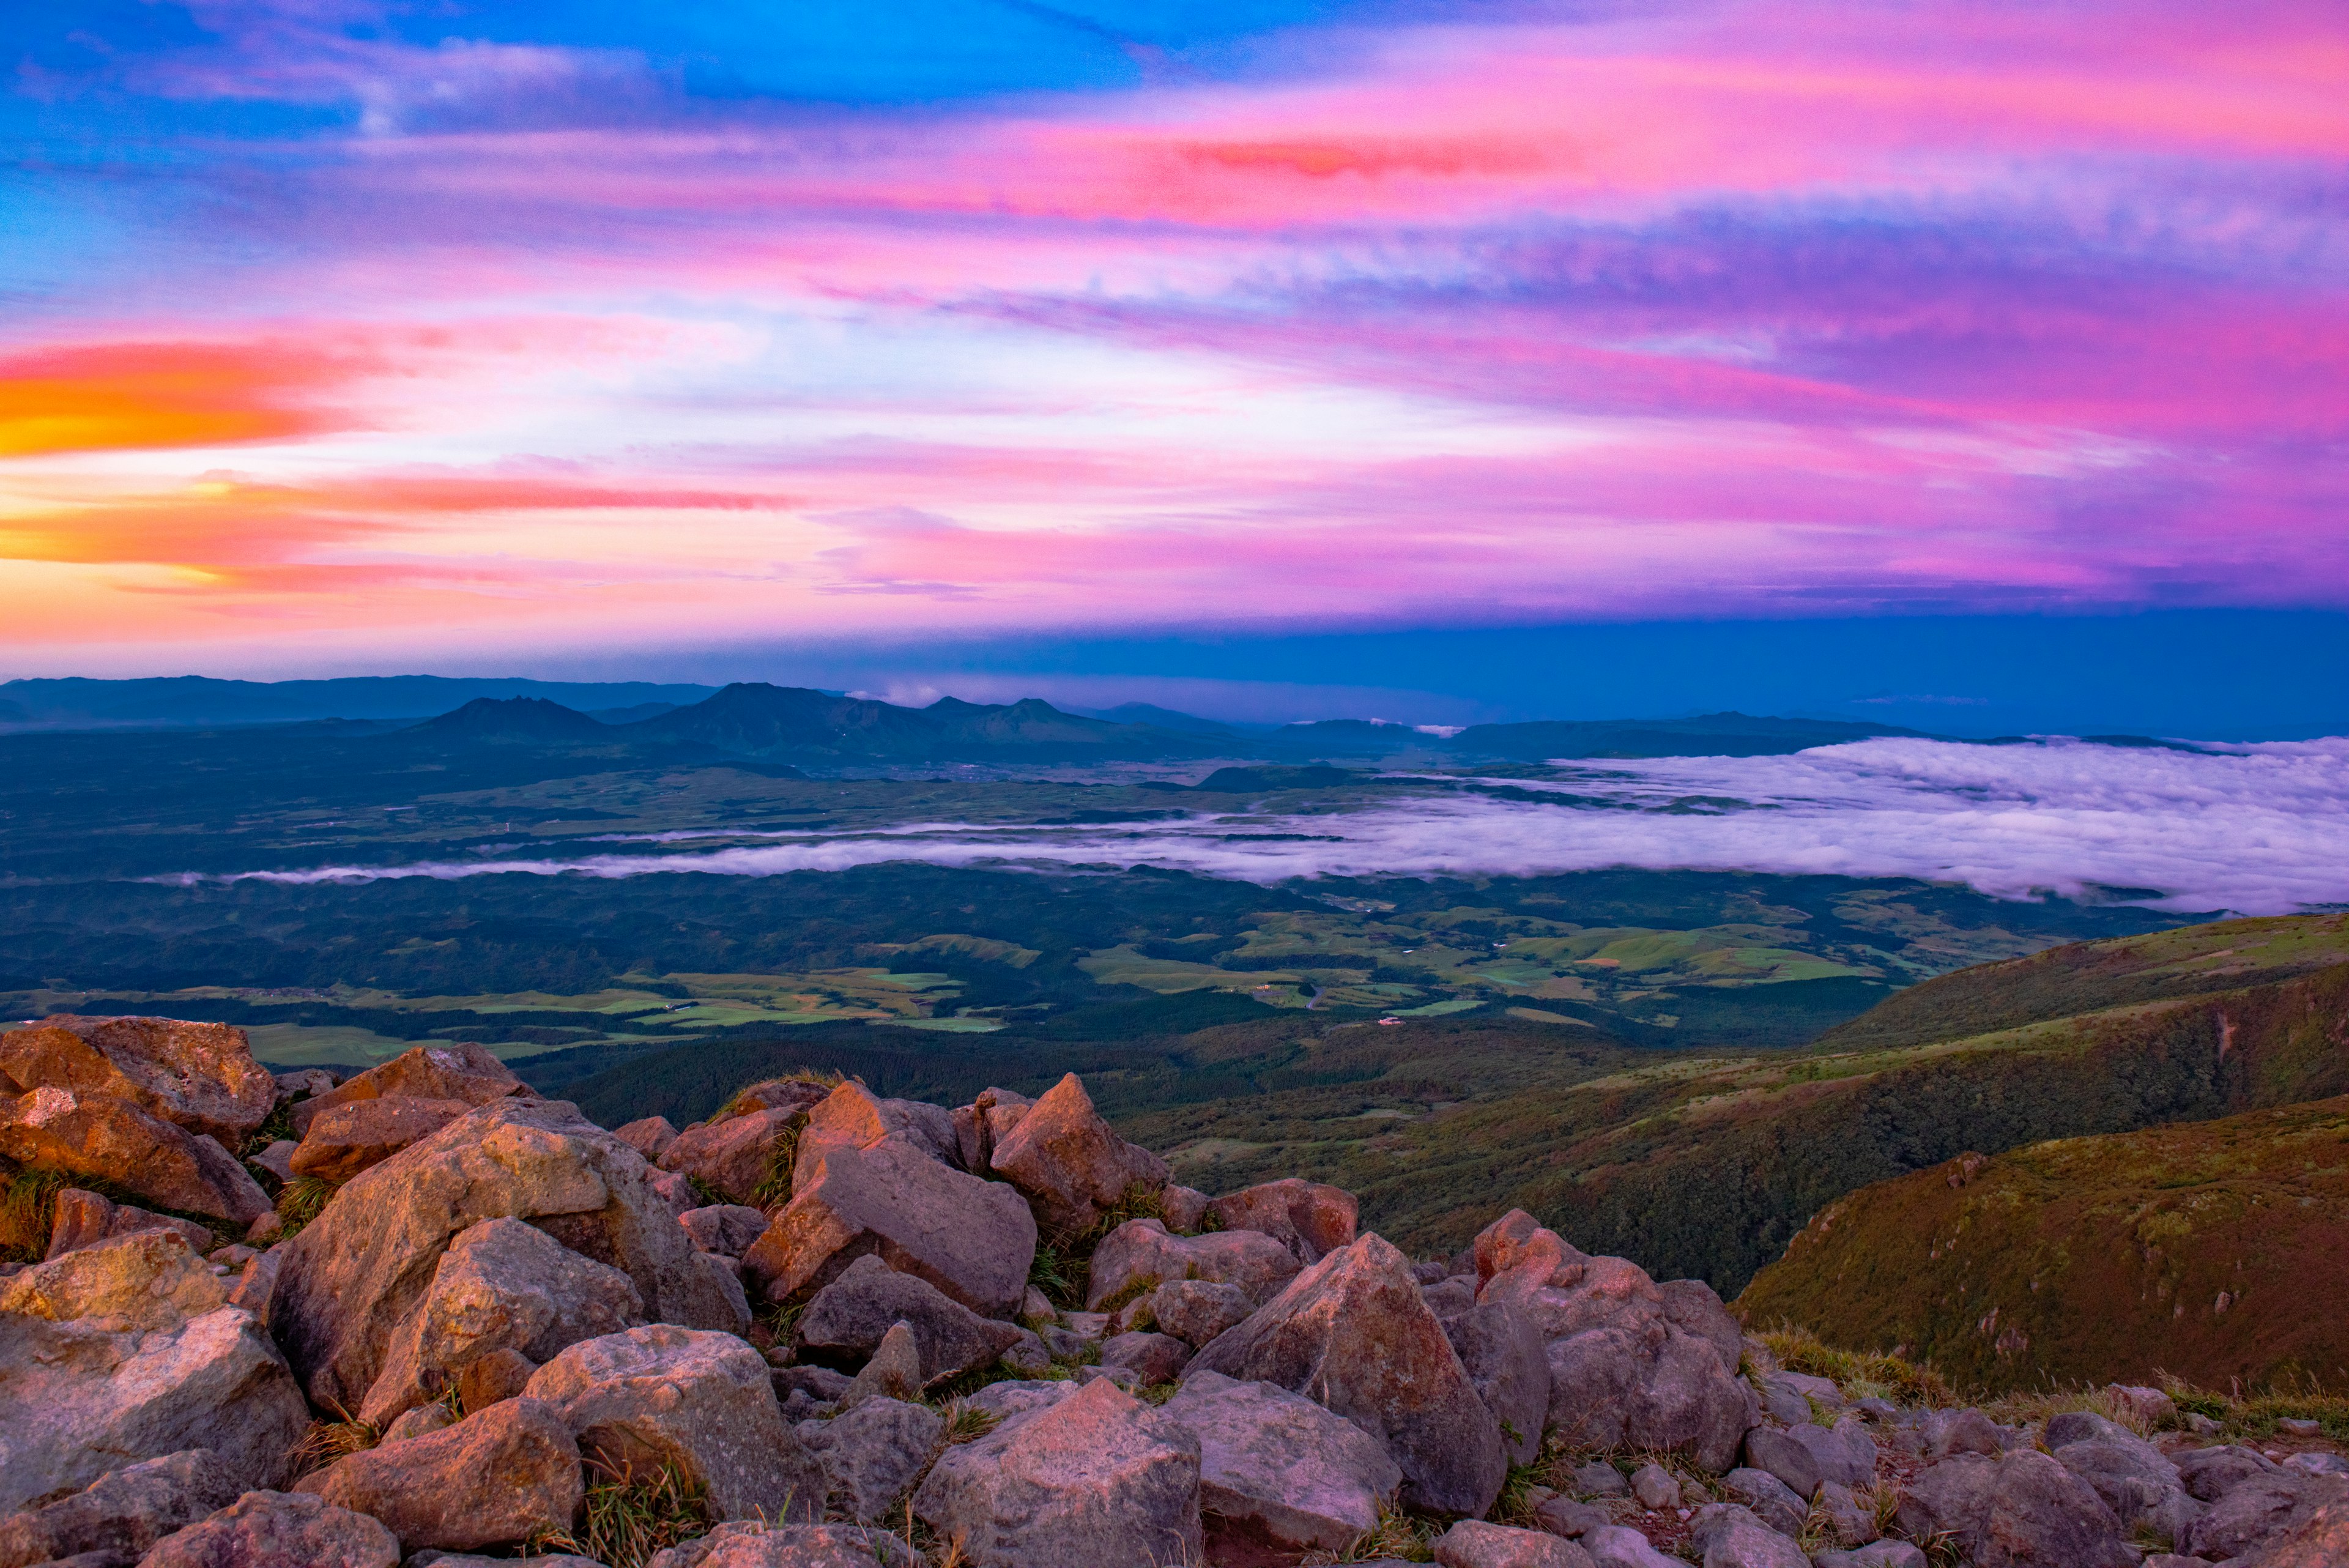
[
  {"x": 728, "y": 1230},
  {"x": 126, "y": 1510},
  {"x": 1950, "y": 1432},
  {"x": 301, "y": 1082},
  {"x": 1630, "y": 1366},
  {"x": 199, "y": 1076},
  {"x": 699, "y": 1402},
  {"x": 1850, "y": 1518},
  {"x": 1772, "y": 1500},
  {"x": 852, "y": 1117},
  {"x": 277, "y": 1159},
  {"x": 1352, "y": 1334},
  {"x": 1141, "y": 1254},
  {"x": 2149, "y": 1407},
  {"x": 278, "y": 1530},
  {"x": 973, "y": 1239},
  {"x": 1618, "y": 1546},
  {"x": 1888, "y": 1554},
  {"x": 357, "y": 1273},
  {"x": 872, "y": 1453},
  {"x": 1472, "y": 1544},
  {"x": 1731, "y": 1537},
  {"x": 775, "y": 1093},
  {"x": 2319, "y": 1541},
  {"x": 1183, "y": 1208},
  {"x": 893, "y": 1372},
  {"x": 422, "y": 1420},
  {"x": 983, "y": 1123},
  {"x": 501, "y": 1374},
  {"x": 845, "y": 1323},
  {"x": 85, "y": 1218},
  {"x": 502, "y": 1285},
  {"x": 1503, "y": 1355},
  {"x": 345, "y": 1140},
  {"x": 2211, "y": 1473},
  {"x": 2260, "y": 1509},
  {"x": 676, "y": 1191},
  {"x": 1803, "y": 1456},
  {"x": 1280, "y": 1466},
  {"x": 1309, "y": 1218},
  {"x": 1564, "y": 1516},
  {"x": 1070, "y": 1163},
  {"x": 1653, "y": 1488},
  {"x": 739, "y": 1156},
  {"x": 2020, "y": 1510},
  {"x": 1195, "y": 1311},
  {"x": 147, "y": 1279},
  {"x": 82, "y": 1133},
  {"x": 1152, "y": 1357},
  {"x": 745, "y": 1544},
  {"x": 648, "y": 1136},
  {"x": 1599, "y": 1478},
  {"x": 1095, "y": 1479},
  {"x": 501, "y": 1475},
  {"x": 462, "y": 1071},
  {"x": 726, "y": 1279},
  {"x": 83, "y": 1400},
  {"x": 2132, "y": 1476}
]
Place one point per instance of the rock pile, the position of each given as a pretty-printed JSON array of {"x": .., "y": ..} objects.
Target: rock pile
[{"x": 502, "y": 1313}]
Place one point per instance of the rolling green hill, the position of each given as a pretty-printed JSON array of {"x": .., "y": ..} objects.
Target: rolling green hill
[{"x": 2214, "y": 1251}]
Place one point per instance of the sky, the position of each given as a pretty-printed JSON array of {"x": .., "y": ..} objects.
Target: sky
[
  {"x": 2253, "y": 829},
  {"x": 993, "y": 339}
]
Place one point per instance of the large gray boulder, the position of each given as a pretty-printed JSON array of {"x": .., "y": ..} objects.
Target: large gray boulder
[
  {"x": 84, "y": 1133},
  {"x": 752, "y": 1544},
  {"x": 146, "y": 1279},
  {"x": 728, "y": 1230},
  {"x": 2258, "y": 1511},
  {"x": 739, "y": 1156},
  {"x": 1311, "y": 1219},
  {"x": 124, "y": 1511},
  {"x": 1280, "y": 1466},
  {"x": 973, "y": 1239},
  {"x": 845, "y": 1323},
  {"x": 1095, "y": 1479},
  {"x": 872, "y": 1453},
  {"x": 1352, "y": 1333},
  {"x": 1631, "y": 1366},
  {"x": 82, "y": 1399},
  {"x": 1141, "y": 1254},
  {"x": 1804, "y": 1455},
  {"x": 1195, "y": 1311},
  {"x": 1771, "y": 1500},
  {"x": 1070, "y": 1163},
  {"x": 2211, "y": 1473},
  {"x": 2136, "y": 1479},
  {"x": 357, "y": 1273},
  {"x": 852, "y": 1117},
  {"x": 459, "y": 1071},
  {"x": 2020, "y": 1510},
  {"x": 502, "y": 1285},
  {"x": 701, "y": 1403},
  {"x": 278, "y": 1530},
  {"x": 199, "y": 1076},
  {"x": 500, "y": 1476},
  {"x": 1504, "y": 1356}
]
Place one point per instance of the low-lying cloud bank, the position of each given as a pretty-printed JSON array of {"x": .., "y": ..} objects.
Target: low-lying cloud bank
[{"x": 2256, "y": 829}]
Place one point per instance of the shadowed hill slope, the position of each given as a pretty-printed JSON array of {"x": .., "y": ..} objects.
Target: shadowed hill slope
[{"x": 2193, "y": 1250}]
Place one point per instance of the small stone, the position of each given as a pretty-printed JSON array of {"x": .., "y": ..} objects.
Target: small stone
[
  {"x": 1653, "y": 1487},
  {"x": 1472, "y": 1544},
  {"x": 2299, "y": 1426},
  {"x": 726, "y": 1228},
  {"x": 1616, "y": 1546},
  {"x": 1152, "y": 1357},
  {"x": 895, "y": 1372},
  {"x": 1732, "y": 1537},
  {"x": 1598, "y": 1479},
  {"x": 1564, "y": 1516},
  {"x": 421, "y": 1421}
]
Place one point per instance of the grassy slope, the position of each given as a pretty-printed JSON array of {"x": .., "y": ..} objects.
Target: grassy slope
[{"x": 2199, "y": 1251}]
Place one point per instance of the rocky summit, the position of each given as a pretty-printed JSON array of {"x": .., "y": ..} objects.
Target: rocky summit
[{"x": 425, "y": 1316}]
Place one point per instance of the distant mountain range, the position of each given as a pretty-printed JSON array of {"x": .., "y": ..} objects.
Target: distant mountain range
[{"x": 799, "y": 725}]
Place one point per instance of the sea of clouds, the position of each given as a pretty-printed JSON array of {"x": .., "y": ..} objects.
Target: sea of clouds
[{"x": 2255, "y": 829}]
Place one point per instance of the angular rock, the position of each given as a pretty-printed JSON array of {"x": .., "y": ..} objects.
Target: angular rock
[
  {"x": 2319, "y": 1541},
  {"x": 1152, "y": 1357},
  {"x": 1141, "y": 1254},
  {"x": 1731, "y": 1537},
  {"x": 743, "y": 1544},
  {"x": 1653, "y": 1488},
  {"x": 2020, "y": 1510},
  {"x": 1888, "y": 1554},
  {"x": 126, "y": 1510},
  {"x": 726, "y": 1278},
  {"x": 1472, "y": 1544},
  {"x": 503, "y": 1373},
  {"x": 1624, "y": 1372},
  {"x": 845, "y": 1322},
  {"x": 502, "y": 1474},
  {"x": 1599, "y": 1478},
  {"x": 872, "y": 1453},
  {"x": 743, "y": 1157},
  {"x": 199, "y": 1076},
  {"x": 1804, "y": 1456},
  {"x": 1693, "y": 1307},
  {"x": 1961, "y": 1432},
  {"x": 82, "y": 1400},
  {"x": 973, "y": 1239},
  {"x": 1564, "y": 1516},
  {"x": 2211, "y": 1473},
  {"x": 1281, "y": 1466},
  {"x": 1195, "y": 1311},
  {"x": 1310, "y": 1219},
  {"x": 852, "y": 1117},
  {"x": 2256, "y": 1510},
  {"x": 502, "y": 1285},
  {"x": 419, "y": 1422},
  {"x": 726, "y": 1228},
  {"x": 356, "y": 1273},
  {"x": 986, "y": 1119},
  {"x": 301, "y": 1082},
  {"x": 2148, "y": 1407},
  {"x": 700, "y": 1402},
  {"x": 147, "y": 1279},
  {"x": 85, "y": 1218},
  {"x": 1771, "y": 1500},
  {"x": 893, "y": 1372},
  {"x": 648, "y": 1136},
  {"x": 345, "y": 1140},
  {"x": 2131, "y": 1475},
  {"x": 83, "y": 1133},
  {"x": 1503, "y": 1355},
  {"x": 258, "y": 1278},
  {"x": 1849, "y": 1519},
  {"x": 1618, "y": 1546},
  {"x": 1097, "y": 1478},
  {"x": 1183, "y": 1208},
  {"x": 278, "y": 1530},
  {"x": 1449, "y": 1298},
  {"x": 1070, "y": 1163},
  {"x": 676, "y": 1191},
  {"x": 1353, "y": 1334},
  {"x": 463, "y": 1071}
]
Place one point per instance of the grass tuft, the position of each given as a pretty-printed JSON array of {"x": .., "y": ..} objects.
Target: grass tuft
[
  {"x": 29, "y": 1213},
  {"x": 304, "y": 1199},
  {"x": 774, "y": 1189},
  {"x": 327, "y": 1441},
  {"x": 629, "y": 1519},
  {"x": 1397, "y": 1537},
  {"x": 967, "y": 1424},
  {"x": 1863, "y": 1373}
]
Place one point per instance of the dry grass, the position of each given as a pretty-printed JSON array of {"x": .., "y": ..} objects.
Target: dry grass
[
  {"x": 629, "y": 1519},
  {"x": 1397, "y": 1535},
  {"x": 1862, "y": 1373},
  {"x": 965, "y": 1424},
  {"x": 304, "y": 1199},
  {"x": 327, "y": 1441},
  {"x": 28, "y": 1213}
]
